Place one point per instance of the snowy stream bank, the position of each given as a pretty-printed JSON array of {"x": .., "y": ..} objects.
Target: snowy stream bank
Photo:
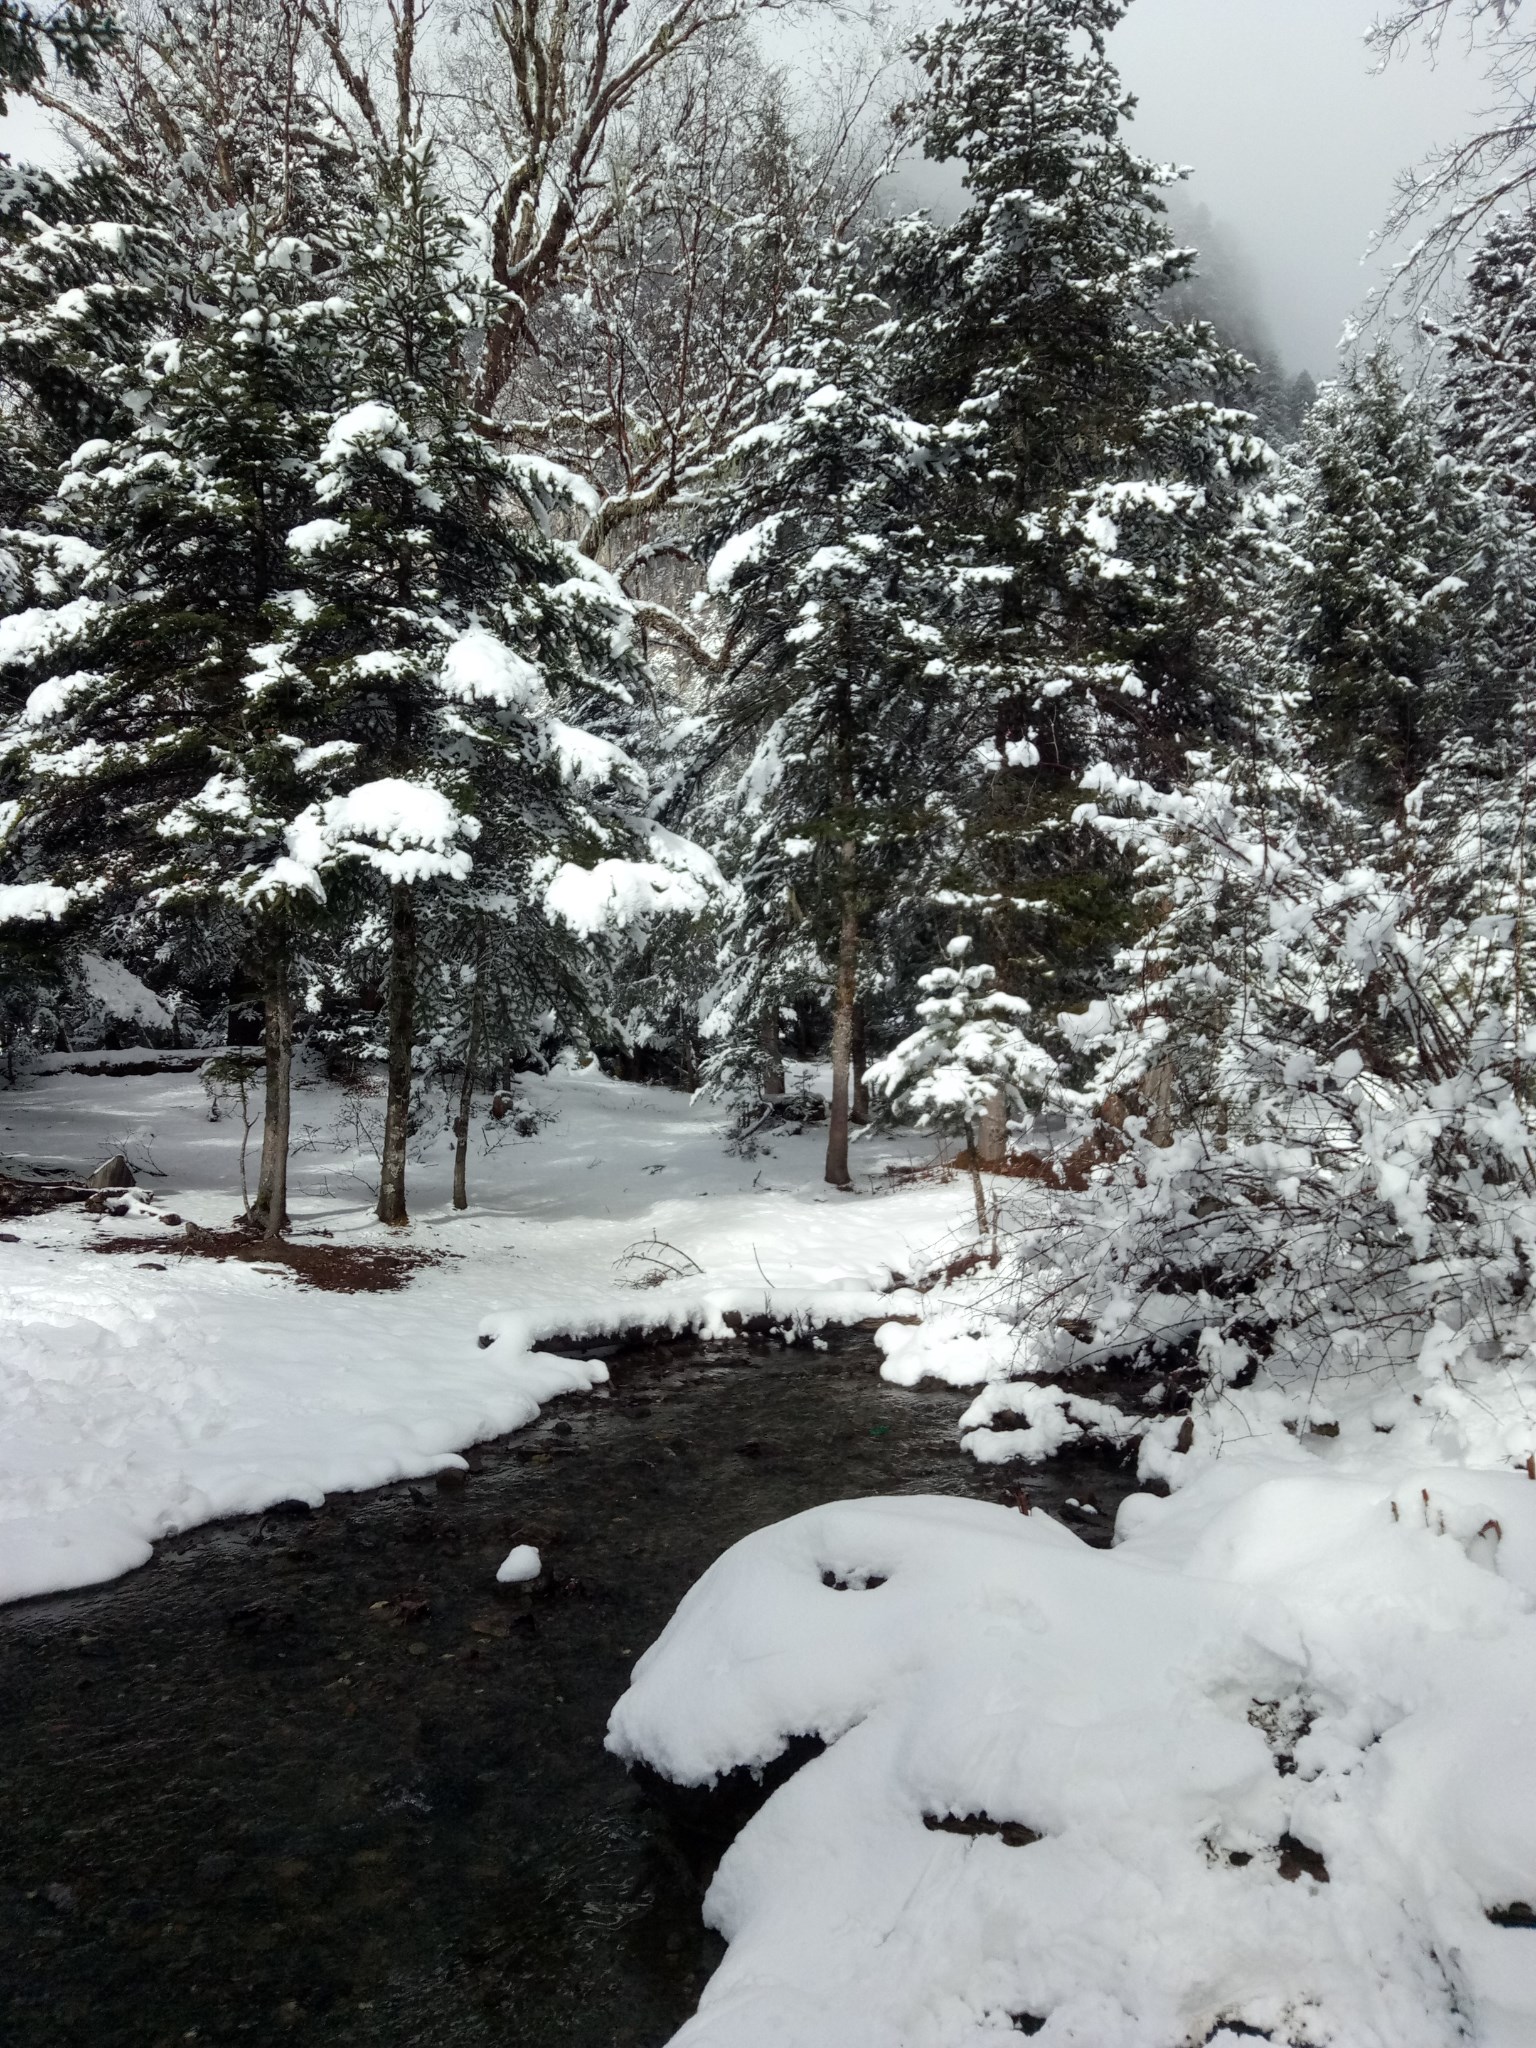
[
  {"x": 145, "y": 1393},
  {"x": 1267, "y": 1766},
  {"x": 314, "y": 1778}
]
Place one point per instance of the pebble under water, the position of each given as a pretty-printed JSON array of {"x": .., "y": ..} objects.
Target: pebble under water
[{"x": 314, "y": 1778}]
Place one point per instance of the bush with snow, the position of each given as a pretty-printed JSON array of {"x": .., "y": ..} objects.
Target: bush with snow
[{"x": 1304, "y": 1149}]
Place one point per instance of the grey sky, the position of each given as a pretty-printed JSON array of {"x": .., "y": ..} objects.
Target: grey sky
[
  {"x": 1296, "y": 143},
  {"x": 1294, "y": 138}
]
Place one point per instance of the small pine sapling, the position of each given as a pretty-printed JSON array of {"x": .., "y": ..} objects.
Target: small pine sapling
[{"x": 968, "y": 1049}]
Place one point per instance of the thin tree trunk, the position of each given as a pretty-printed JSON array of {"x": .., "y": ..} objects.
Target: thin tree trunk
[
  {"x": 402, "y": 1032},
  {"x": 1158, "y": 1090},
  {"x": 842, "y": 1027},
  {"x": 860, "y": 1111},
  {"x": 466, "y": 1103},
  {"x": 972, "y": 1139},
  {"x": 270, "y": 1209},
  {"x": 991, "y": 1144},
  {"x": 773, "y": 1055}
]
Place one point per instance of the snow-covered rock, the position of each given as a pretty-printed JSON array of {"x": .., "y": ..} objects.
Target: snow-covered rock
[{"x": 1268, "y": 1765}]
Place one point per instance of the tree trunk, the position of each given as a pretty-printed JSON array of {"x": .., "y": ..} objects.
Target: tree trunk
[
  {"x": 773, "y": 1055},
  {"x": 1157, "y": 1088},
  {"x": 466, "y": 1103},
  {"x": 842, "y": 1028},
  {"x": 402, "y": 1033},
  {"x": 991, "y": 1145},
  {"x": 860, "y": 1110},
  {"x": 270, "y": 1209},
  {"x": 972, "y": 1148}
]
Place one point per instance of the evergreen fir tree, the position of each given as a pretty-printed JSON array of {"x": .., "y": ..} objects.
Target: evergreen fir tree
[
  {"x": 1482, "y": 412},
  {"x": 163, "y": 747},
  {"x": 72, "y": 35},
  {"x": 842, "y": 702},
  {"x": 1392, "y": 550},
  {"x": 1097, "y": 477},
  {"x": 453, "y": 641},
  {"x": 968, "y": 1048}
]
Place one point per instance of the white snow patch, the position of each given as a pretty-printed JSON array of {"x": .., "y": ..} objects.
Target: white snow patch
[
  {"x": 521, "y": 1564},
  {"x": 120, "y": 993},
  {"x": 738, "y": 552},
  {"x": 316, "y": 534},
  {"x": 478, "y": 667},
  {"x": 31, "y": 634},
  {"x": 32, "y": 902},
  {"x": 614, "y": 894},
  {"x": 1283, "y": 1660}
]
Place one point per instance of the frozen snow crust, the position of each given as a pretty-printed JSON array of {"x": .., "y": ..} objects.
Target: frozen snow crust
[
  {"x": 140, "y": 1395},
  {"x": 1274, "y": 1675}
]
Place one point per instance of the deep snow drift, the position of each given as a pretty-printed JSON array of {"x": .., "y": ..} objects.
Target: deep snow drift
[
  {"x": 1270, "y": 1763},
  {"x": 141, "y": 1394}
]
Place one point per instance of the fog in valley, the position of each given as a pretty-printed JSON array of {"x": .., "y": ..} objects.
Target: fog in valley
[{"x": 1294, "y": 138}]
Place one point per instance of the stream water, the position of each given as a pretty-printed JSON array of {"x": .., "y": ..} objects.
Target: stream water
[{"x": 312, "y": 1778}]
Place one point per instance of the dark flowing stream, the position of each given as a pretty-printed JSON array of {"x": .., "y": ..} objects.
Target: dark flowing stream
[{"x": 315, "y": 1778}]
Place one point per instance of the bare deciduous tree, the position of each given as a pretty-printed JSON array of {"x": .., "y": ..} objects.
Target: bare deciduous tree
[
  {"x": 1446, "y": 201},
  {"x": 723, "y": 203},
  {"x": 210, "y": 102}
]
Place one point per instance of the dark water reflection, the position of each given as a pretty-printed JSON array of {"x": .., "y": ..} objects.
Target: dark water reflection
[{"x": 311, "y": 1779}]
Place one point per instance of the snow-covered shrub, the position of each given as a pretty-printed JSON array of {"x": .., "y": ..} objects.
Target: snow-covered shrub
[{"x": 1313, "y": 1099}]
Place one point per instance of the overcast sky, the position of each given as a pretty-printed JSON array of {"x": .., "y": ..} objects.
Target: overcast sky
[{"x": 1294, "y": 139}]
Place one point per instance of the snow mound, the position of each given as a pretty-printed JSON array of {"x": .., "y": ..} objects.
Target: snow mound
[
  {"x": 962, "y": 1348},
  {"x": 1269, "y": 1765},
  {"x": 521, "y": 1564},
  {"x": 120, "y": 995}
]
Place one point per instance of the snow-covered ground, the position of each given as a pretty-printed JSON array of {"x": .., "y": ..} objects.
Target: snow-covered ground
[
  {"x": 1277, "y": 1748},
  {"x": 143, "y": 1394},
  {"x": 1269, "y": 1764}
]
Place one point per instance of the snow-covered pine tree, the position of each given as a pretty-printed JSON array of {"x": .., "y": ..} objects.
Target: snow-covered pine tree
[
  {"x": 90, "y": 267},
  {"x": 969, "y": 1047},
  {"x": 1344, "y": 1179},
  {"x": 1482, "y": 411},
  {"x": 1307, "y": 1108},
  {"x": 161, "y": 749},
  {"x": 455, "y": 643},
  {"x": 1393, "y": 551},
  {"x": 73, "y": 35},
  {"x": 1096, "y": 474},
  {"x": 839, "y": 704}
]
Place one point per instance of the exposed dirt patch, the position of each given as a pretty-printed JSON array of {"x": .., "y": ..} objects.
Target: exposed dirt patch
[
  {"x": 334, "y": 1268},
  {"x": 1012, "y": 1833},
  {"x": 907, "y": 1173},
  {"x": 1297, "y": 1860}
]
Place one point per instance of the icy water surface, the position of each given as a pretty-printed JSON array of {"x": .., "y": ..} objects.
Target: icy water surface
[{"x": 313, "y": 1778}]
